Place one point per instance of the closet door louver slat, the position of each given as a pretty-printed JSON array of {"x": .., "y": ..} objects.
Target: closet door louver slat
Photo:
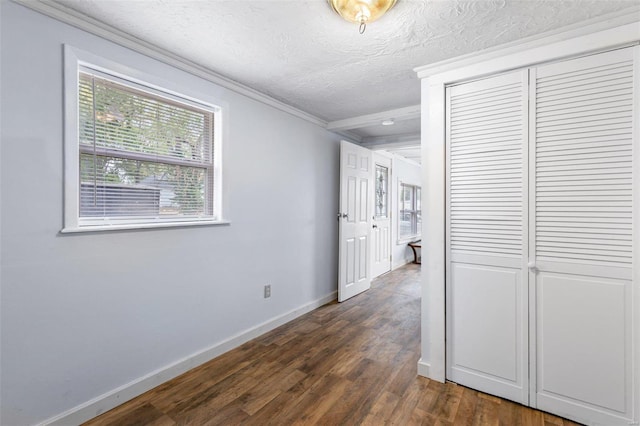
[
  {"x": 486, "y": 155},
  {"x": 591, "y": 145}
]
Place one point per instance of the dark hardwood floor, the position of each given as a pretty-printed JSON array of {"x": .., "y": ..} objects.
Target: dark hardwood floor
[{"x": 343, "y": 364}]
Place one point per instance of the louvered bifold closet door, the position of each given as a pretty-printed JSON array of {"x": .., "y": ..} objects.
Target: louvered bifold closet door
[
  {"x": 486, "y": 247},
  {"x": 582, "y": 176}
]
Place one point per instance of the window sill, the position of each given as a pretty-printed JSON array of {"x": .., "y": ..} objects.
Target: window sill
[{"x": 138, "y": 226}]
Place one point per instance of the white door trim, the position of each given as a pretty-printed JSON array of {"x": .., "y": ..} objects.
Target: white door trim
[{"x": 636, "y": 236}]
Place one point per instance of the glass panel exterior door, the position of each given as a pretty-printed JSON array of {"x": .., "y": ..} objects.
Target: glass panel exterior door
[
  {"x": 382, "y": 192},
  {"x": 381, "y": 227}
]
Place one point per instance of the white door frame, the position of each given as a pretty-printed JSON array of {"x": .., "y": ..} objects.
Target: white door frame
[{"x": 587, "y": 39}]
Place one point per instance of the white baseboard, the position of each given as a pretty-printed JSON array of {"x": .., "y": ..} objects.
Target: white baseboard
[
  {"x": 399, "y": 265},
  {"x": 128, "y": 391},
  {"x": 423, "y": 368}
]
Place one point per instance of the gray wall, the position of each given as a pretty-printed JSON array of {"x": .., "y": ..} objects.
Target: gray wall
[{"x": 84, "y": 314}]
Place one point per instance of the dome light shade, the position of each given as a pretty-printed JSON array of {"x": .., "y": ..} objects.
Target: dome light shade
[{"x": 361, "y": 11}]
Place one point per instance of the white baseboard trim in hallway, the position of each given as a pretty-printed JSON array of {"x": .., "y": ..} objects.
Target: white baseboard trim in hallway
[
  {"x": 400, "y": 265},
  {"x": 128, "y": 391},
  {"x": 423, "y": 368}
]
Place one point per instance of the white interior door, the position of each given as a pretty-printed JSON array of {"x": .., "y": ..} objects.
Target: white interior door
[
  {"x": 582, "y": 237},
  {"x": 356, "y": 177},
  {"x": 381, "y": 228},
  {"x": 487, "y": 293}
]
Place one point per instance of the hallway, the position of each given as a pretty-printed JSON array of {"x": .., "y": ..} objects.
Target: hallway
[{"x": 342, "y": 364}]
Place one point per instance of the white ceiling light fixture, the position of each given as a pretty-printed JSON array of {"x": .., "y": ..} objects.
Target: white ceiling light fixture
[
  {"x": 389, "y": 122},
  {"x": 361, "y": 11}
]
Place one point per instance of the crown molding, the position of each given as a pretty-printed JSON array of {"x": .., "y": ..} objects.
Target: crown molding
[
  {"x": 394, "y": 141},
  {"x": 601, "y": 23},
  {"x": 93, "y": 26},
  {"x": 349, "y": 135},
  {"x": 400, "y": 157},
  {"x": 399, "y": 114},
  {"x": 394, "y": 153}
]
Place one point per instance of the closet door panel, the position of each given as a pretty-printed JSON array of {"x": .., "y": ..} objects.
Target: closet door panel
[
  {"x": 477, "y": 342},
  {"x": 486, "y": 244},
  {"x": 582, "y": 236},
  {"x": 569, "y": 351}
]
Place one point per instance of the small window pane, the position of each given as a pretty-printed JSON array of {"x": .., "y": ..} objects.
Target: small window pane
[
  {"x": 117, "y": 117},
  {"x": 382, "y": 185},
  {"x": 408, "y": 198},
  {"x": 410, "y": 211},
  {"x": 405, "y": 224},
  {"x": 112, "y": 187}
]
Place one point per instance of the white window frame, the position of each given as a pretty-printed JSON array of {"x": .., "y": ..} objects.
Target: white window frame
[
  {"x": 76, "y": 60},
  {"x": 414, "y": 222}
]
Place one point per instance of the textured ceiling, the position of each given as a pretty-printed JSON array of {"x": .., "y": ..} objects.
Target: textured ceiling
[{"x": 301, "y": 53}]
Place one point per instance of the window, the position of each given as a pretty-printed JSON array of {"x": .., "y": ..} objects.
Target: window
[
  {"x": 382, "y": 186},
  {"x": 141, "y": 157},
  {"x": 410, "y": 209}
]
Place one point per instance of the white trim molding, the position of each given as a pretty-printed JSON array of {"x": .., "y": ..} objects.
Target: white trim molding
[
  {"x": 399, "y": 114},
  {"x": 69, "y": 16},
  {"x": 350, "y": 136},
  {"x": 423, "y": 368},
  {"x": 636, "y": 240},
  {"x": 540, "y": 44},
  {"x": 393, "y": 141},
  {"x": 433, "y": 229},
  {"x": 93, "y": 26},
  {"x": 122, "y": 394}
]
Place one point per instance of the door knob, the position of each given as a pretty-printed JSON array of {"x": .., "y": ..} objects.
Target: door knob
[
  {"x": 342, "y": 215},
  {"x": 375, "y": 226},
  {"x": 532, "y": 266}
]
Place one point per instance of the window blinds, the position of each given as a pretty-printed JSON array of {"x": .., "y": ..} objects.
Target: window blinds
[{"x": 142, "y": 155}]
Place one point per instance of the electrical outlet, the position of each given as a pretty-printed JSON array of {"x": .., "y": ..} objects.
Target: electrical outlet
[{"x": 267, "y": 291}]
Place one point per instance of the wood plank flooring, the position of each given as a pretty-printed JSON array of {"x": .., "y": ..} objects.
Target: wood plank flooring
[{"x": 352, "y": 363}]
